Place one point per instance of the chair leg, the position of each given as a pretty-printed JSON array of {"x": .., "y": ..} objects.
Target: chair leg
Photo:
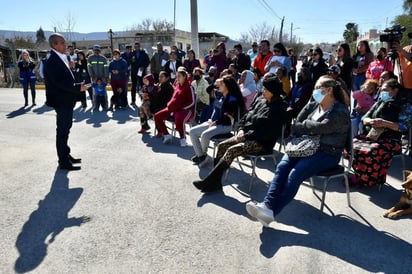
[
  {"x": 312, "y": 183},
  {"x": 253, "y": 161},
  {"x": 325, "y": 186},
  {"x": 346, "y": 176}
]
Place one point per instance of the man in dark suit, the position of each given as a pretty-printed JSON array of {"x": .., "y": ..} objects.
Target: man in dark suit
[{"x": 62, "y": 92}]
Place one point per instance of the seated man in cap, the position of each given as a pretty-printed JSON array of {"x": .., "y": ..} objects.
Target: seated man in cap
[
  {"x": 258, "y": 131},
  {"x": 334, "y": 72}
]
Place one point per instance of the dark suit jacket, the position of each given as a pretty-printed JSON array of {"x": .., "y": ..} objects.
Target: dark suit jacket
[{"x": 61, "y": 88}]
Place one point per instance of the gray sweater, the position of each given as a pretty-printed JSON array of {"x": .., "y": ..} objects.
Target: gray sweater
[{"x": 333, "y": 127}]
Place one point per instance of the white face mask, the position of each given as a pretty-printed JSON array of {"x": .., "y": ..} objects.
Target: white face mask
[{"x": 317, "y": 95}]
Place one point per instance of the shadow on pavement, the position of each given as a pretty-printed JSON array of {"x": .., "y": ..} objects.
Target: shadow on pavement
[
  {"x": 339, "y": 236},
  {"x": 18, "y": 112},
  {"x": 46, "y": 222}
]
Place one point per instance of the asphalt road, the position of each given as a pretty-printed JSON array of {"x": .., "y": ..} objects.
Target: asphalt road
[{"x": 132, "y": 208}]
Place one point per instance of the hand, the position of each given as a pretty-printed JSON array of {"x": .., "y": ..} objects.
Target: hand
[
  {"x": 84, "y": 87},
  {"x": 289, "y": 109},
  {"x": 274, "y": 64},
  {"x": 212, "y": 124},
  {"x": 240, "y": 137},
  {"x": 378, "y": 123}
]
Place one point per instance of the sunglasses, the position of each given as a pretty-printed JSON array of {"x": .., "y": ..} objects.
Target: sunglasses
[
  {"x": 315, "y": 54},
  {"x": 276, "y": 50}
]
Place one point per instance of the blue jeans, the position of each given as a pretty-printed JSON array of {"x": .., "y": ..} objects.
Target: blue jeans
[
  {"x": 358, "y": 81},
  {"x": 289, "y": 175},
  {"x": 32, "y": 85}
]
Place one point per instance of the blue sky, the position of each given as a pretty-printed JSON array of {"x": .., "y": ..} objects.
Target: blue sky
[{"x": 313, "y": 21}]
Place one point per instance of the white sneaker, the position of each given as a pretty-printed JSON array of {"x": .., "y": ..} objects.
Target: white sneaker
[
  {"x": 183, "y": 143},
  {"x": 167, "y": 139},
  {"x": 261, "y": 212}
]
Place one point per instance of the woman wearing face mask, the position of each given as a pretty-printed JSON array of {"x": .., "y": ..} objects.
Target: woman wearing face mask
[
  {"x": 328, "y": 116},
  {"x": 373, "y": 151},
  {"x": 200, "y": 85},
  {"x": 379, "y": 65}
]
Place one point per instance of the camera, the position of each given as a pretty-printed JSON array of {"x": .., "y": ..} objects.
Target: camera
[{"x": 393, "y": 34}]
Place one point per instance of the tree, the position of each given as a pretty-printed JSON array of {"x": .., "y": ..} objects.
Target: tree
[
  {"x": 40, "y": 37},
  {"x": 148, "y": 24},
  {"x": 20, "y": 42},
  {"x": 67, "y": 26},
  {"x": 351, "y": 33},
  {"x": 407, "y": 6}
]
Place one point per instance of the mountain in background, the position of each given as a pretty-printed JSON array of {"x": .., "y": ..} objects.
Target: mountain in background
[{"x": 75, "y": 36}]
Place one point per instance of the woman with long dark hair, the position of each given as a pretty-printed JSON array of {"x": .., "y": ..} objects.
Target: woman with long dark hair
[
  {"x": 226, "y": 111},
  {"x": 362, "y": 58},
  {"x": 279, "y": 59},
  {"x": 82, "y": 74},
  {"x": 258, "y": 131},
  {"x": 345, "y": 63}
]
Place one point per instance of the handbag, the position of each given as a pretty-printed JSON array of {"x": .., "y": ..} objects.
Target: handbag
[
  {"x": 375, "y": 133},
  {"x": 302, "y": 146}
]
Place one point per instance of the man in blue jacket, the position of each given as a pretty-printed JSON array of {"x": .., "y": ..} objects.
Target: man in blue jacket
[{"x": 62, "y": 92}]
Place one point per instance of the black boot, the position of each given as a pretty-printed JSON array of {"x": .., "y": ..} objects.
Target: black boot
[
  {"x": 213, "y": 181},
  {"x": 216, "y": 161},
  {"x": 26, "y": 101}
]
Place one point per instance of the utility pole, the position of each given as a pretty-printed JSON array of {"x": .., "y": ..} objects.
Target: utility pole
[
  {"x": 111, "y": 40},
  {"x": 291, "y": 34},
  {"x": 174, "y": 22},
  {"x": 281, "y": 29},
  {"x": 194, "y": 26}
]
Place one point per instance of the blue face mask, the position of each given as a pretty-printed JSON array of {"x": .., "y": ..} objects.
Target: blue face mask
[
  {"x": 385, "y": 96},
  {"x": 317, "y": 95}
]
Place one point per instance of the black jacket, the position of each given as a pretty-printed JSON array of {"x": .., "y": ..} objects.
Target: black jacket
[
  {"x": 62, "y": 90},
  {"x": 263, "y": 122}
]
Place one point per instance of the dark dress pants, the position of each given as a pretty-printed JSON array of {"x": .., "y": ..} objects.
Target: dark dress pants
[{"x": 64, "y": 121}]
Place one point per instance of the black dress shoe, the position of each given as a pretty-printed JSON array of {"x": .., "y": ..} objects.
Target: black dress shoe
[
  {"x": 69, "y": 167},
  {"x": 75, "y": 160}
]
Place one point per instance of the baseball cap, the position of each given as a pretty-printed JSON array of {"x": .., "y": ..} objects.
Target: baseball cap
[{"x": 334, "y": 68}]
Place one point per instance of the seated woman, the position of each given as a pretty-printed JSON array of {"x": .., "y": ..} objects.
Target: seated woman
[
  {"x": 247, "y": 87},
  {"x": 374, "y": 150},
  {"x": 327, "y": 116},
  {"x": 365, "y": 100},
  {"x": 163, "y": 93},
  {"x": 259, "y": 129},
  {"x": 224, "y": 114},
  {"x": 181, "y": 105}
]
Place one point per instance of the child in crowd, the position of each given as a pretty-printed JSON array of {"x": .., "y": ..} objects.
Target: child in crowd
[
  {"x": 117, "y": 100},
  {"x": 148, "y": 89},
  {"x": 99, "y": 95},
  {"x": 365, "y": 100}
]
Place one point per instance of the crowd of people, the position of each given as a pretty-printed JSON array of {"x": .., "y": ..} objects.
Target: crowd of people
[{"x": 249, "y": 96}]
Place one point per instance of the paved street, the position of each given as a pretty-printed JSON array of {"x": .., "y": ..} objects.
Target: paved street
[{"x": 132, "y": 208}]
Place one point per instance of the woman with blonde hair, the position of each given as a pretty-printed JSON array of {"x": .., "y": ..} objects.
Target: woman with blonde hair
[{"x": 27, "y": 76}]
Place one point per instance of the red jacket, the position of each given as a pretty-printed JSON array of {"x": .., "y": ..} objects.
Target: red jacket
[
  {"x": 260, "y": 63},
  {"x": 183, "y": 97}
]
